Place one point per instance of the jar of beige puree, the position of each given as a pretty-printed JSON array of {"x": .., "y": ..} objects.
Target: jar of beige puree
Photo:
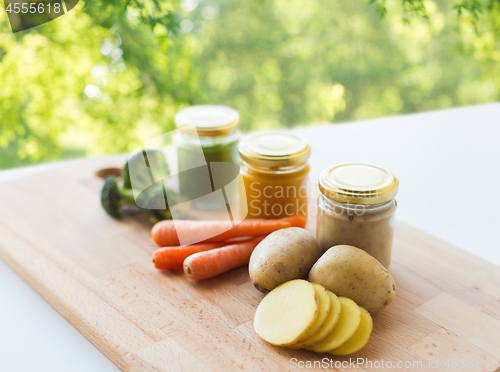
[{"x": 356, "y": 207}]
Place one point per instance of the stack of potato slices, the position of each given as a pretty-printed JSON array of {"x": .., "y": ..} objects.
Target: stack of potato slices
[{"x": 300, "y": 314}]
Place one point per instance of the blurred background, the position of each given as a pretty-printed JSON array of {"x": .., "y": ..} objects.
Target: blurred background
[{"x": 109, "y": 75}]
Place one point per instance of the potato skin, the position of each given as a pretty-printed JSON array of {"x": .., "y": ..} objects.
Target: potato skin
[
  {"x": 351, "y": 272},
  {"x": 282, "y": 256}
]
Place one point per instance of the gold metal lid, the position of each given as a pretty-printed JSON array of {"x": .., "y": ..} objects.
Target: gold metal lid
[
  {"x": 207, "y": 120},
  {"x": 274, "y": 149},
  {"x": 358, "y": 183}
]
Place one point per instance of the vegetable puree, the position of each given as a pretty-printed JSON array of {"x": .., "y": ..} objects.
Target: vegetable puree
[
  {"x": 275, "y": 195},
  {"x": 357, "y": 207},
  {"x": 196, "y": 182},
  {"x": 207, "y": 154},
  {"x": 371, "y": 231},
  {"x": 274, "y": 174}
]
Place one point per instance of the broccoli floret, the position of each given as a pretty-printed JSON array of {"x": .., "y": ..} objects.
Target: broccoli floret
[
  {"x": 156, "y": 215},
  {"x": 141, "y": 175},
  {"x": 113, "y": 197},
  {"x": 150, "y": 199}
]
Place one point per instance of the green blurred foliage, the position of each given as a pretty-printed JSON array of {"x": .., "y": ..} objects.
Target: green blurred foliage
[
  {"x": 289, "y": 62},
  {"x": 109, "y": 75},
  {"x": 133, "y": 87}
]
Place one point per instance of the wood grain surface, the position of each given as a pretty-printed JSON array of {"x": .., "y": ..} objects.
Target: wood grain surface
[{"x": 97, "y": 273}]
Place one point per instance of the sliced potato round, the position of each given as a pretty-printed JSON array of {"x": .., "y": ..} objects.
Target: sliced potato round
[
  {"x": 327, "y": 327},
  {"x": 325, "y": 304},
  {"x": 350, "y": 317},
  {"x": 359, "y": 338},
  {"x": 287, "y": 313}
]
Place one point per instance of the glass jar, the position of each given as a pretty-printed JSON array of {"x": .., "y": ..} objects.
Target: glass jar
[
  {"x": 356, "y": 207},
  {"x": 207, "y": 134},
  {"x": 274, "y": 174}
]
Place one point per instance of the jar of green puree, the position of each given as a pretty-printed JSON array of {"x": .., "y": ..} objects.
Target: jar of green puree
[{"x": 204, "y": 175}]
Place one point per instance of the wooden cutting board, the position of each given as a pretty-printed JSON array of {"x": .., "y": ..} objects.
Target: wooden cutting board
[{"x": 97, "y": 273}]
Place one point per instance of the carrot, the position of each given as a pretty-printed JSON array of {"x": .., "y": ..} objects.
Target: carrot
[
  {"x": 204, "y": 265},
  {"x": 169, "y": 257},
  {"x": 165, "y": 233}
]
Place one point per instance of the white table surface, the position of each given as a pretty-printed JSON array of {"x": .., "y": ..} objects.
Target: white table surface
[{"x": 448, "y": 163}]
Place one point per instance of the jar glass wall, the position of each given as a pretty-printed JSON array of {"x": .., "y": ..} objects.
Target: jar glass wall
[
  {"x": 274, "y": 174},
  {"x": 274, "y": 192},
  {"x": 357, "y": 207},
  {"x": 207, "y": 154},
  {"x": 369, "y": 227}
]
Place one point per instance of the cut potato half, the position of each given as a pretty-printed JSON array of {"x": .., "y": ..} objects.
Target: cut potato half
[
  {"x": 359, "y": 338},
  {"x": 327, "y": 327},
  {"x": 350, "y": 317},
  {"x": 287, "y": 313},
  {"x": 325, "y": 304}
]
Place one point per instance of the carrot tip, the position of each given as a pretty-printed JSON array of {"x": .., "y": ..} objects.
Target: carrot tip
[{"x": 187, "y": 270}]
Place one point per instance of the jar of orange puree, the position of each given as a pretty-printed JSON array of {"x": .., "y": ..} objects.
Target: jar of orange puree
[{"x": 274, "y": 173}]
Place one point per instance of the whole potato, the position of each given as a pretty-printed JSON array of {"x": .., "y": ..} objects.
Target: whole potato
[
  {"x": 282, "y": 256},
  {"x": 351, "y": 272}
]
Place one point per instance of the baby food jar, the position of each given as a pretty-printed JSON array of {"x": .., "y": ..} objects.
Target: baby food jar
[
  {"x": 207, "y": 134},
  {"x": 356, "y": 207},
  {"x": 274, "y": 173}
]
